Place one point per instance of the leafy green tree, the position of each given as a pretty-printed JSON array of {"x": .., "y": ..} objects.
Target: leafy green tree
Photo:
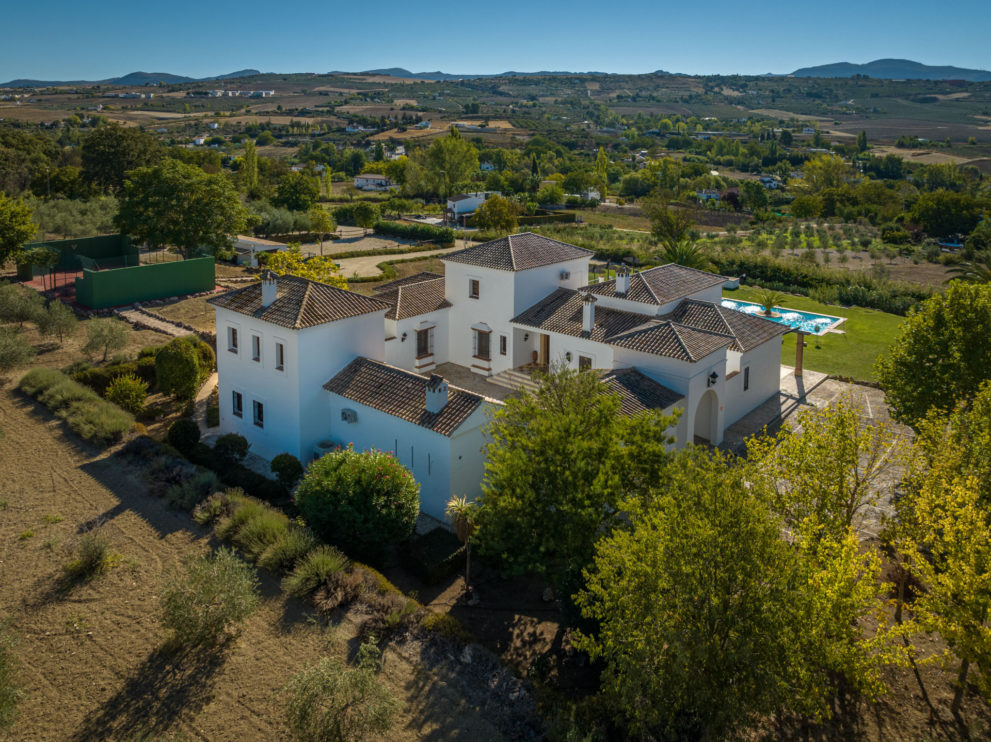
[
  {"x": 461, "y": 512},
  {"x": 556, "y": 474},
  {"x": 19, "y": 304},
  {"x": 977, "y": 270},
  {"x": 551, "y": 195},
  {"x": 204, "y": 602},
  {"x": 177, "y": 370},
  {"x": 179, "y": 204},
  {"x": 365, "y": 215},
  {"x": 297, "y": 191},
  {"x": 862, "y": 141},
  {"x": 497, "y": 214},
  {"x": 823, "y": 172},
  {"x": 944, "y": 213},
  {"x": 669, "y": 225},
  {"x": 318, "y": 268},
  {"x": 602, "y": 171},
  {"x": 942, "y": 353},
  {"x": 360, "y": 501},
  {"x": 111, "y": 151},
  {"x": 16, "y": 227},
  {"x": 329, "y": 702},
  {"x": 754, "y": 194},
  {"x": 827, "y": 467},
  {"x": 57, "y": 320},
  {"x": 105, "y": 335},
  {"x": 249, "y": 166},
  {"x": 448, "y": 164}
]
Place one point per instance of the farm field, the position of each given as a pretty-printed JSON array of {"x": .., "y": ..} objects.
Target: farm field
[{"x": 867, "y": 333}]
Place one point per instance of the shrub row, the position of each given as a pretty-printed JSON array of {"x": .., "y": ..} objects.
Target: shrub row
[
  {"x": 441, "y": 235},
  {"x": 559, "y": 217},
  {"x": 237, "y": 474},
  {"x": 98, "y": 378},
  {"x": 858, "y": 289},
  {"x": 84, "y": 411}
]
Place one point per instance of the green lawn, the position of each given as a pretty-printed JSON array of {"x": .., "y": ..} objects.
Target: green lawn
[{"x": 867, "y": 334}]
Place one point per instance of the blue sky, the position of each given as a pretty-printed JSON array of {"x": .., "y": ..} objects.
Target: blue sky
[{"x": 74, "y": 40}]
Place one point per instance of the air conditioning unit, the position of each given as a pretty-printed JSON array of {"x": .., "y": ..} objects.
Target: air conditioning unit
[
  {"x": 322, "y": 448},
  {"x": 565, "y": 275},
  {"x": 349, "y": 416}
]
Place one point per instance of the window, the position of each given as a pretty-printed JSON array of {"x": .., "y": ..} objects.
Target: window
[
  {"x": 237, "y": 405},
  {"x": 584, "y": 363},
  {"x": 232, "y": 339},
  {"x": 424, "y": 342},
  {"x": 258, "y": 413},
  {"x": 502, "y": 345},
  {"x": 280, "y": 356},
  {"x": 472, "y": 288},
  {"x": 746, "y": 378},
  {"x": 482, "y": 345},
  {"x": 256, "y": 348}
]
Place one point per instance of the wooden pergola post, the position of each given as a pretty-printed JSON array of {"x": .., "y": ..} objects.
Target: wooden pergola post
[{"x": 799, "y": 351}]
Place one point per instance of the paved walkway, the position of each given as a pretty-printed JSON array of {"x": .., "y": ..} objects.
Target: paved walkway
[{"x": 136, "y": 317}]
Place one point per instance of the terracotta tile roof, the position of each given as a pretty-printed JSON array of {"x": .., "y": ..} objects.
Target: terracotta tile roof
[
  {"x": 299, "y": 303},
  {"x": 748, "y": 330},
  {"x": 402, "y": 394},
  {"x": 561, "y": 312},
  {"x": 639, "y": 393},
  {"x": 661, "y": 285},
  {"x": 518, "y": 252},
  {"x": 672, "y": 340},
  {"x": 416, "y": 278},
  {"x": 415, "y": 299}
]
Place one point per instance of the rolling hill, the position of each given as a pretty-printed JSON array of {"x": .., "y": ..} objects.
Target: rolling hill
[
  {"x": 894, "y": 69},
  {"x": 133, "y": 78}
]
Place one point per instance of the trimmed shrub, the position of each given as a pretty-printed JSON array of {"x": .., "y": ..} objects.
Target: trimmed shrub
[
  {"x": 204, "y": 602},
  {"x": 287, "y": 469},
  {"x": 217, "y": 506},
  {"x": 360, "y": 501},
  {"x": 242, "y": 510},
  {"x": 128, "y": 392},
  {"x": 177, "y": 369},
  {"x": 90, "y": 417},
  {"x": 421, "y": 232},
  {"x": 184, "y": 434},
  {"x": 283, "y": 553},
  {"x": 313, "y": 570},
  {"x": 333, "y": 703},
  {"x": 231, "y": 448}
]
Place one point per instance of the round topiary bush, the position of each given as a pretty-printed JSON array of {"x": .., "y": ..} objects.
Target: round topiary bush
[
  {"x": 287, "y": 469},
  {"x": 361, "y": 502},
  {"x": 184, "y": 434},
  {"x": 231, "y": 448},
  {"x": 128, "y": 392},
  {"x": 177, "y": 370}
]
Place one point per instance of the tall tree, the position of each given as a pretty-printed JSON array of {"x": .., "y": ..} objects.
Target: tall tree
[
  {"x": 445, "y": 166},
  {"x": 321, "y": 222},
  {"x": 862, "y": 141},
  {"x": 555, "y": 475},
  {"x": 497, "y": 214},
  {"x": 942, "y": 353},
  {"x": 318, "y": 268},
  {"x": 297, "y": 191},
  {"x": 178, "y": 204},
  {"x": 602, "y": 171},
  {"x": 16, "y": 227},
  {"x": 822, "y": 172},
  {"x": 249, "y": 166},
  {"x": 111, "y": 151}
]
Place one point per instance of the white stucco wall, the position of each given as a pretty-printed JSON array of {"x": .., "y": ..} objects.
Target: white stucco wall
[
  {"x": 764, "y": 363},
  {"x": 291, "y": 397},
  {"x": 402, "y": 353}
]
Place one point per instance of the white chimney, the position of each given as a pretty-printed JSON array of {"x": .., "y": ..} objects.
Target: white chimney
[
  {"x": 622, "y": 281},
  {"x": 269, "y": 288},
  {"x": 588, "y": 313},
  {"x": 436, "y": 394}
]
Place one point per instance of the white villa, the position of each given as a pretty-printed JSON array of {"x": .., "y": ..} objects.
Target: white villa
[{"x": 303, "y": 365}]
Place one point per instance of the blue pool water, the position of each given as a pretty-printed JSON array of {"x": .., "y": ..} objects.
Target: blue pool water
[{"x": 814, "y": 324}]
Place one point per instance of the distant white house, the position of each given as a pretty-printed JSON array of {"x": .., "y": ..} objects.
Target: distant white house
[
  {"x": 304, "y": 366},
  {"x": 247, "y": 249},
  {"x": 465, "y": 204},
  {"x": 422, "y": 125},
  {"x": 199, "y": 141},
  {"x": 373, "y": 182}
]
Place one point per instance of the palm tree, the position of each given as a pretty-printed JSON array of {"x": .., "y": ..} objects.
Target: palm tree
[
  {"x": 767, "y": 298},
  {"x": 461, "y": 513},
  {"x": 685, "y": 252},
  {"x": 977, "y": 270}
]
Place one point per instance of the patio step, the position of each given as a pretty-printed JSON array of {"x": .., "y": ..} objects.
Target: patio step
[{"x": 513, "y": 379}]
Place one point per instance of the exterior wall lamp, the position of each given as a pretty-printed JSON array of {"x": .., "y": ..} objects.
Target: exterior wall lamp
[
  {"x": 568, "y": 356},
  {"x": 526, "y": 336},
  {"x": 403, "y": 338},
  {"x": 711, "y": 381}
]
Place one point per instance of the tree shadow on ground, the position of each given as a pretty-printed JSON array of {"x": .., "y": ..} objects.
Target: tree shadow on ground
[{"x": 168, "y": 686}]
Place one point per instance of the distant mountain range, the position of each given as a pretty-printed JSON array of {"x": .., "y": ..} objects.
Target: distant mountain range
[
  {"x": 134, "y": 78},
  {"x": 894, "y": 69},
  {"x": 442, "y": 76}
]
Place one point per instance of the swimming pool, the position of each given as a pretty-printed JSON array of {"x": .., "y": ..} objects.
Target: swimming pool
[{"x": 813, "y": 324}]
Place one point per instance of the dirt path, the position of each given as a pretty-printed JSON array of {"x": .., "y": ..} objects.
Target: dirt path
[
  {"x": 92, "y": 666},
  {"x": 369, "y": 266},
  {"x": 141, "y": 319}
]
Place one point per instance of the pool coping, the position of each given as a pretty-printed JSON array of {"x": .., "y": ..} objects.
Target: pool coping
[{"x": 840, "y": 320}]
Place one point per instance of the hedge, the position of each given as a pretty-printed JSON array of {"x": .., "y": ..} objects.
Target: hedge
[
  {"x": 86, "y": 413},
  {"x": 440, "y": 235},
  {"x": 98, "y": 378}
]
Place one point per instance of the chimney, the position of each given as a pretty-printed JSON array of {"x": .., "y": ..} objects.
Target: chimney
[
  {"x": 436, "y": 394},
  {"x": 588, "y": 313},
  {"x": 622, "y": 281},
  {"x": 269, "y": 288}
]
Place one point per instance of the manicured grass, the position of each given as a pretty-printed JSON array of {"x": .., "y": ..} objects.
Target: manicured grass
[{"x": 867, "y": 333}]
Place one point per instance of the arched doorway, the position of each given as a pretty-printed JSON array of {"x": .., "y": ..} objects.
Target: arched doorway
[{"x": 706, "y": 416}]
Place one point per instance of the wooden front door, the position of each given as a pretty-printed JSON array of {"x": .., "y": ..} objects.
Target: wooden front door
[{"x": 545, "y": 350}]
